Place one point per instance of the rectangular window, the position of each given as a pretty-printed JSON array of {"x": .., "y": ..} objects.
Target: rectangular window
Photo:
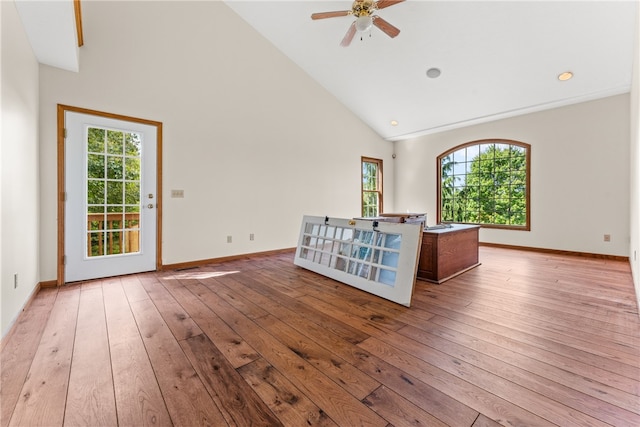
[{"x": 371, "y": 187}]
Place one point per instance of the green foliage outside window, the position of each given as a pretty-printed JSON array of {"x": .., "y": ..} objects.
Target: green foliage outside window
[
  {"x": 485, "y": 182},
  {"x": 113, "y": 186},
  {"x": 114, "y": 167},
  {"x": 369, "y": 204}
]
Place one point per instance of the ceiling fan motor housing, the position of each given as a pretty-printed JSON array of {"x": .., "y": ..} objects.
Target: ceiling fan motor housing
[{"x": 363, "y": 8}]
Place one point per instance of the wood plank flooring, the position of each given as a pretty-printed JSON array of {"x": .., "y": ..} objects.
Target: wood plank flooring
[{"x": 525, "y": 339}]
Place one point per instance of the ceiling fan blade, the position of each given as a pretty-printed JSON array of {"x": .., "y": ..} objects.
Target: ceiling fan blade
[
  {"x": 324, "y": 15},
  {"x": 346, "y": 41},
  {"x": 386, "y": 3},
  {"x": 387, "y": 28}
]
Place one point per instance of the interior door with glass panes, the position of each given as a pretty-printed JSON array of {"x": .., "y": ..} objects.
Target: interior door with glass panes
[
  {"x": 378, "y": 257},
  {"x": 110, "y": 186}
]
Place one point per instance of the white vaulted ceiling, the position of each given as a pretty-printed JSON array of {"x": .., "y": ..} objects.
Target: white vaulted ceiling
[{"x": 497, "y": 58}]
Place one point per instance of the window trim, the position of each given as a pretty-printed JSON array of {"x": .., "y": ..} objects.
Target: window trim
[
  {"x": 527, "y": 148},
  {"x": 363, "y": 160}
]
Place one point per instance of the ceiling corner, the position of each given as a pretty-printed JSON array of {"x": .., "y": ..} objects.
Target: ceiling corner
[{"x": 51, "y": 30}]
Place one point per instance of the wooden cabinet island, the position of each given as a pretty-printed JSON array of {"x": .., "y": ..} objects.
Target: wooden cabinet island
[{"x": 447, "y": 252}]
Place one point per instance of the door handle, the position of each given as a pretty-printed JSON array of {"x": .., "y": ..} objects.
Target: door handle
[{"x": 150, "y": 205}]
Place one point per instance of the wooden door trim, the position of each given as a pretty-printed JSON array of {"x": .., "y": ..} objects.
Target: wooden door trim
[{"x": 62, "y": 109}]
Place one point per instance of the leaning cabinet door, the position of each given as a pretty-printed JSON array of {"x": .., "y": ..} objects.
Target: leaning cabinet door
[{"x": 377, "y": 257}]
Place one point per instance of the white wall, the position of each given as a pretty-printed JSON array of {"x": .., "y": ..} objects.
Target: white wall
[
  {"x": 579, "y": 176},
  {"x": 250, "y": 138},
  {"x": 634, "y": 195},
  {"x": 19, "y": 167}
]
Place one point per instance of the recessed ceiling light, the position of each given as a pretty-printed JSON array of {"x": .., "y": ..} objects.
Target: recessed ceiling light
[
  {"x": 394, "y": 123},
  {"x": 565, "y": 76},
  {"x": 433, "y": 72}
]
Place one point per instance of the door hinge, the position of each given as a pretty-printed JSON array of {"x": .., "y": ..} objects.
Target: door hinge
[
  {"x": 64, "y": 260},
  {"x": 64, "y": 131},
  {"x": 64, "y": 196}
]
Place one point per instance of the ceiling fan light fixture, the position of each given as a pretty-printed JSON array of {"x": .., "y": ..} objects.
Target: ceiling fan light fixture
[{"x": 364, "y": 23}]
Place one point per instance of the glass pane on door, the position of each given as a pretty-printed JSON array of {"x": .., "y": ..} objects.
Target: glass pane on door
[{"x": 113, "y": 192}]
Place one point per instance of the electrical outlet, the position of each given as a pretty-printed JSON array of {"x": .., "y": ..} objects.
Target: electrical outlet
[
  {"x": 607, "y": 237},
  {"x": 251, "y": 236},
  {"x": 229, "y": 239},
  {"x": 15, "y": 280}
]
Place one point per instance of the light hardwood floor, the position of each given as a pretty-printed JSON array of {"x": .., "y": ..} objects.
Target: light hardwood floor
[{"x": 525, "y": 339}]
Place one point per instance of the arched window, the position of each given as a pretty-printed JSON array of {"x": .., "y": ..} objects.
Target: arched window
[{"x": 486, "y": 182}]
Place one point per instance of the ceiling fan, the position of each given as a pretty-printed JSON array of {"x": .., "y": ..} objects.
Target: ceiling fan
[{"x": 364, "y": 11}]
